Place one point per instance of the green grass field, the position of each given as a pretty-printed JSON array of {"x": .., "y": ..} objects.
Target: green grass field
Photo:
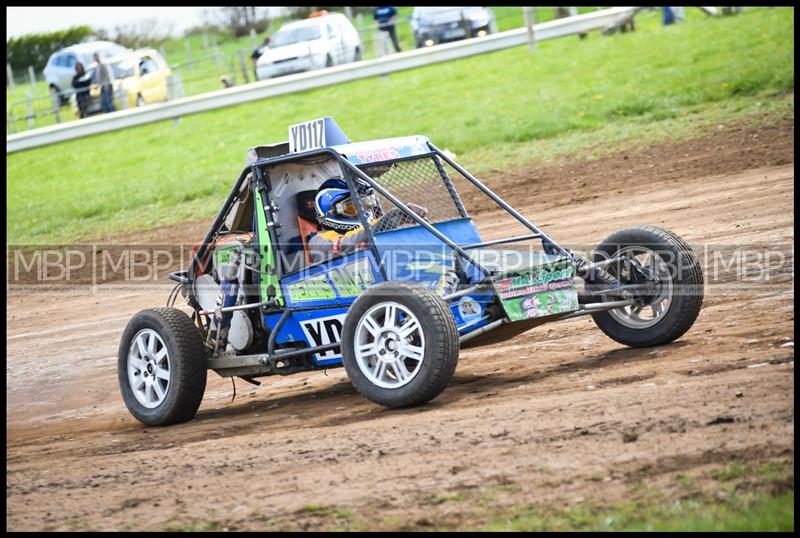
[{"x": 492, "y": 110}]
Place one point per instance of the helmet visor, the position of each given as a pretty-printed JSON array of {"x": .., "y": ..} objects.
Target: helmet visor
[{"x": 348, "y": 208}]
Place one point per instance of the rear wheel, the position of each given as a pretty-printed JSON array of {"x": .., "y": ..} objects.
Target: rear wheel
[
  {"x": 672, "y": 305},
  {"x": 400, "y": 344},
  {"x": 161, "y": 366}
]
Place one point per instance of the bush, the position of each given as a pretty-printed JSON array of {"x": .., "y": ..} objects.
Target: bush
[{"x": 35, "y": 49}]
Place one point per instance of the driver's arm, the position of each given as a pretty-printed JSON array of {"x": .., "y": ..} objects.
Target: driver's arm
[{"x": 328, "y": 243}]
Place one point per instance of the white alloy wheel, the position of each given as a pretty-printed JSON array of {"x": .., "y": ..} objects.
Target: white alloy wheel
[
  {"x": 148, "y": 368},
  {"x": 389, "y": 345}
]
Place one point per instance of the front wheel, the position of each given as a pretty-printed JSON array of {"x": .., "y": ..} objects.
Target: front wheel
[
  {"x": 400, "y": 344},
  {"x": 161, "y": 366},
  {"x": 671, "y": 306}
]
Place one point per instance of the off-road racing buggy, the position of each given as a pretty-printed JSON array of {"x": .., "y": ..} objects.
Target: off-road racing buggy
[{"x": 396, "y": 310}]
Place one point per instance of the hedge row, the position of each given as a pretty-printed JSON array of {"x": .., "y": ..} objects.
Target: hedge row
[{"x": 35, "y": 49}]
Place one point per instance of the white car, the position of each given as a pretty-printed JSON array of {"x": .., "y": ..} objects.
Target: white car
[
  {"x": 313, "y": 43},
  {"x": 60, "y": 67}
]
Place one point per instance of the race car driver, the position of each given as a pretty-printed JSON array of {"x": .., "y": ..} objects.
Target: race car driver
[{"x": 342, "y": 231}]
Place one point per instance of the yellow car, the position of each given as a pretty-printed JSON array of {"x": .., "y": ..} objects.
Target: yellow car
[{"x": 143, "y": 75}]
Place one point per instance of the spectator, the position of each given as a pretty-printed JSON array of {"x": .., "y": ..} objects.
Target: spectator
[
  {"x": 81, "y": 82},
  {"x": 105, "y": 78},
  {"x": 385, "y": 17},
  {"x": 672, "y": 15},
  {"x": 257, "y": 52}
]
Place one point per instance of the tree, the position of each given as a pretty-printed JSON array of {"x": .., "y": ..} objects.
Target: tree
[
  {"x": 147, "y": 32},
  {"x": 239, "y": 20}
]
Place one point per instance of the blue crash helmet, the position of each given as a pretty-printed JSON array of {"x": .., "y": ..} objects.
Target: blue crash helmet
[{"x": 335, "y": 207}]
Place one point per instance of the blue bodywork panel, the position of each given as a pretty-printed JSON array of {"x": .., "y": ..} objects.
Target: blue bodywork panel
[
  {"x": 395, "y": 248},
  {"x": 325, "y": 291}
]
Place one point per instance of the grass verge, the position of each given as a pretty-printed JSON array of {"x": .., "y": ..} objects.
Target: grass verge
[{"x": 744, "y": 512}]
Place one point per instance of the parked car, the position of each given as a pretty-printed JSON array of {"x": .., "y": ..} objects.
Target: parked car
[
  {"x": 60, "y": 66},
  {"x": 433, "y": 25},
  {"x": 313, "y": 43},
  {"x": 144, "y": 75}
]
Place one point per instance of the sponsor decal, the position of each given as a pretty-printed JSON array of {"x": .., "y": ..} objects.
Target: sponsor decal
[
  {"x": 322, "y": 331},
  {"x": 315, "y": 288},
  {"x": 469, "y": 309},
  {"x": 542, "y": 290},
  {"x": 352, "y": 279},
  {"x": 375, "y": 155}
]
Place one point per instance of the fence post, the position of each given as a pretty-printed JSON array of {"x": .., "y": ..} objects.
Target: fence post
[
  {"x": 528, "y": 13},
  {"x": 30, "y": 116},
  {"x": 232, "y": 69},
  {"x": 13, "y": 126},
  {"x": 217, "y": 56},
  {"x": 161, "y": 50},
  {"x": 10, "y": 77},
  {"x": 123, "y": 101},
  {"x": 243, "y": 65},
  {"x": 56, "y": 99},
  {"x": 188, "y": 47},
  {"x": 175, "y": 91},
  {"x": 32, "y": 75},
  {"x": 205, "y": 40},
  {"x": 380, "y": 42},
  {"x": 253, "y": 37}
]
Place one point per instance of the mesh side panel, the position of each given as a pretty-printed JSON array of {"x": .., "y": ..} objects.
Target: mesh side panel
[{"x": 416, "y": 182}]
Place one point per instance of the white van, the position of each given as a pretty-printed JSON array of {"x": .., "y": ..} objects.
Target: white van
[{"x": 313, "y": 43}]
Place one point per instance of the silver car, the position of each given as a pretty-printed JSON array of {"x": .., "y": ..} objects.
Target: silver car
[{"x": 60, "y": 67}]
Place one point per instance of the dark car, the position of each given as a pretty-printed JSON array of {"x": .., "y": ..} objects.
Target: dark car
[{"x": 433, "y": 25}]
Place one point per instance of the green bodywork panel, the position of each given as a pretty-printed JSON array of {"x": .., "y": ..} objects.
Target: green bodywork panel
[{"x": 267, "y": 256}]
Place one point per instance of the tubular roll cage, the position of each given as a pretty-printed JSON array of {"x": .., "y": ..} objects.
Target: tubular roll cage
[
  {"x": 256, "y": 168},
  {"x": 258, "y": 174}
]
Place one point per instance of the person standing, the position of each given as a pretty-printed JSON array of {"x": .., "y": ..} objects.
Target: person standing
[
  {"x": 105, "y": 78},
  {"x": 80, "y": 83},
  {"x": 385, "y": 17}
]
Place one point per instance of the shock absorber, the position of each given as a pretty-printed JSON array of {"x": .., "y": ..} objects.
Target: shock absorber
[{"x": 228, "y": 293}]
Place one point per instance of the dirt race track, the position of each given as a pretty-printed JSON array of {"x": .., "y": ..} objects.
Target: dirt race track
[{"x": 560, "y": 414}]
